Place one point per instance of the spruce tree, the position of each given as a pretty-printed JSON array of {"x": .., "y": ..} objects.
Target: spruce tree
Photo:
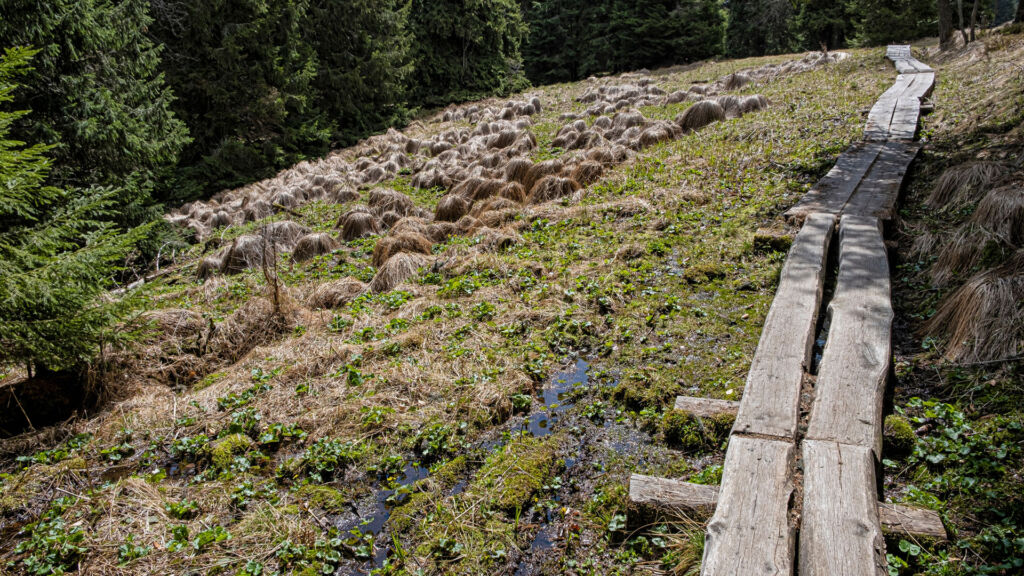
[
  {"x": 885, "y": 21},
  {"x": 465, "y": 50},
  {"x": 362, "y": 49},
  {"x": 824, "y": 22},
  {"x": 58, "y": 250},
  {"x": 244, "y": 75},
  {"x": 97, "y": 97},
  {"x": 759, "y": 27}
]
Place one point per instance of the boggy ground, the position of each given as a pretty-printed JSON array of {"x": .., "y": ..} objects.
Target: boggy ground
[{"x": 481, "y": 416}]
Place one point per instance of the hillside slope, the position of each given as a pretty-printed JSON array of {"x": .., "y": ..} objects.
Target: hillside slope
[{"x": 444, "y": 350}]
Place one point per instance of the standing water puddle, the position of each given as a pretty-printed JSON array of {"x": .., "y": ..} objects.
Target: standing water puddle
[{"x": 539, "y": 423}]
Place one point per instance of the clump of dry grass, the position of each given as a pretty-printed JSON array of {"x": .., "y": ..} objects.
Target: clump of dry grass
[
  {"x": 552, "y": 188},
  {"x": 731, "y": 105},
  {"x": 965, "y": 184},
  {"x": 517, "y": 170},
  {"x": 411, "y": 224},
  {"x": 256, "y": 210},
  {"x": 384, "y": 200},
  {"x": 389, "y": 246},
  {"x": 736, "y": 81},
  {"x": 541, "y": 170},
  {"x": 335, "y": 293},
  {"x": 313, "y": 245},
  {"x": 396, "y": 270},
  {"x": 753, "y": 103},
  {"x": 208, "y": 267},
  {"x": 588, "y": 172},
  {"x": 440, "y": 231},
  {"x": 451, "y": 207},
  {"x": 358, "y": 223},
  {"x": 284, "y": 233},
  {"x": 700, "y": 115},
  {"x": 1001, "y": 212},
  {"x": 983, "y": 320},
  {"x": 245, "y": 252},
  {"x": 963, "y": 252}
]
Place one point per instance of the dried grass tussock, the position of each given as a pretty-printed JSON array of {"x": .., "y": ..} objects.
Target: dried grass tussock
[
  {"x": 701, "y": 114},
  {"x": 966, "y": 183},
  {"x": 403, "y": 242},
  {"x": 982, "y": 320},
  {"x": 336, "y": 293},
  {"x": 1001, "y": 212},
  {"x": 397, "y": 269},
  {"x": 313, "y": 245}
]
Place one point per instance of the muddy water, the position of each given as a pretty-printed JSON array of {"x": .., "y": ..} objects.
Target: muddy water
[{"x": 542, "y": 421}]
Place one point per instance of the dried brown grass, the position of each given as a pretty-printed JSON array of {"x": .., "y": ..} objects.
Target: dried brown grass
[
  {"x": 965, "y": 184},
  {"x": 390, "y": 245},
  {"x": 451, "y": 207},
  {"x": 1001, "y": 212},
  {"x": 552, "y": 188},
  {"x": 983, "y": 320},
  {"x": 335, "y": 293},
  {"x": 396, "y": 270},
  {"x": 700, "y": 115},
  {"x": 357, "y": 224},
  {"x": 313, "y": 245}
]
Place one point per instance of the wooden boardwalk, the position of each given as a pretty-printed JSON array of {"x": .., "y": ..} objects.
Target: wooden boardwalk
[{"x": 836, "y": 525}]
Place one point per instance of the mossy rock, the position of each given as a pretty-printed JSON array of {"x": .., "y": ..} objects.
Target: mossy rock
[
  {"x": 326, "y": 498},
  {"x": 511, "y": 476},
  {"x": 900, "y": 438},
  {"x": 223, "y": 451}
]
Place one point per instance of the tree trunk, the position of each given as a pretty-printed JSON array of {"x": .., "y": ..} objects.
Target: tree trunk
[
  {"x": 946, "y": 23},
  {"x": 974, "y": 20},
  {"x": 960, "y": 20},
  {"x": 1020, "y": 13}
]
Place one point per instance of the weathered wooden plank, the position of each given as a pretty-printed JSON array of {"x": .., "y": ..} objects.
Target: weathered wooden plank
[
  {"x": 706, "y": 407},
  {"x": 913, "y": 521},
  {"x": 833, "y": 191},
  {"x": 922, "y": 85},
  {"x": 750, "y": 532},
  {"x": 855, "y": 363},
  {"x": 649, "y": 495},
  {"x": 839, "y": 529},
  {"x": 771, "y": 397},
  {"x": 878, "y": 192},
  {"x": 894, "y": 51},
  {"x": 905, "y": 118}
]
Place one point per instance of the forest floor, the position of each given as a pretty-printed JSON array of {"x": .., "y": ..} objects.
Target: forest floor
[{"x": 485, "y": 415}]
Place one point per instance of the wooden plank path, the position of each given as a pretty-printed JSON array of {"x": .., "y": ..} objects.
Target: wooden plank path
[{"x": 838, "y": 528}]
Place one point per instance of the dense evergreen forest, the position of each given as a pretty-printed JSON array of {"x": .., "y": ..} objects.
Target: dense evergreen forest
[{"x": 114, "y": 109}]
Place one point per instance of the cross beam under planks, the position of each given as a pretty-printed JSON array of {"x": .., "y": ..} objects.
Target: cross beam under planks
[{"x": 650, "y": 496}]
